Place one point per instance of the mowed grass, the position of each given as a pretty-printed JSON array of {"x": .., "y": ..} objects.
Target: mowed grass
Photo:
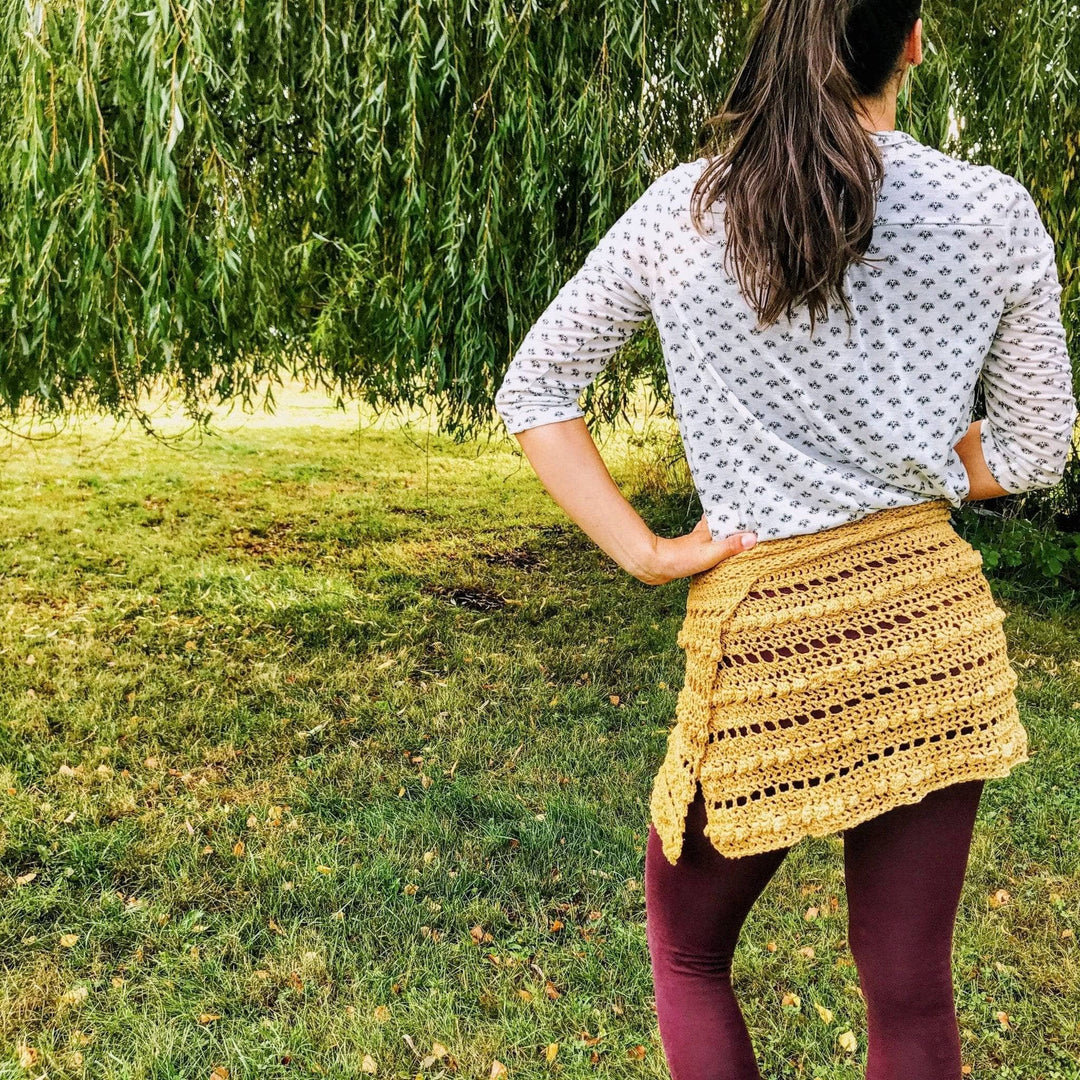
[{"x": 326, "y": 751}]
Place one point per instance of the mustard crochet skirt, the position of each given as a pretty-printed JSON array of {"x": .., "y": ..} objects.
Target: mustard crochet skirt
[{"x": 832, "y": 676}]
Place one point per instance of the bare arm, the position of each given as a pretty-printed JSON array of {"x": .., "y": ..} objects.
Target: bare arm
[
  {"x": 970, "y": 451},
  {"x": 570, "y": 467}
]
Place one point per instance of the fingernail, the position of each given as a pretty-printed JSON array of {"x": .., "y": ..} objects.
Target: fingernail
[{"x": 749, "y": 540}]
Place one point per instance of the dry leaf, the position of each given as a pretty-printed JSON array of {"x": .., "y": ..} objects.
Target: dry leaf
[
  {"x": 497, "y": 1069},
  {"x": 25, "y": 879},
  {"x": 807, "y": 951},
  {"x": 525, "y": 995},
  {"x": 208, "y": 1018},
  {"x": 551, "y": 1052},
  {"x": 1003, "y": 1019},
  {"x": 791, "y": 999},
  {"x": 368, "y": 1065},
  {"x": 770, "y": 946},
  {"x": 219, "y": 1072},
  {"x": 810, "y": 914},
  {"x": 382, "y": 1013},
  {"x": 825, "y": 1014},
  {"x": 28, "y": 1057},
  {"x": 68, "y": 940},
  {"x": 75, "y": 996},
  {"x": 847, "y": 1041},
  {"x": 1000, "y": 897},
  {"x": 550, "y": 990},
  {"x": 439, "y": 1050},
  {"x": 556, "y": 925}
]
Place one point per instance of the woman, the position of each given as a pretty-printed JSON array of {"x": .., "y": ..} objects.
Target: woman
[{"x": 828, "y": 291}]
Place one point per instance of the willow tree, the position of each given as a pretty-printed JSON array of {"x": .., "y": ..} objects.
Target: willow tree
[{"x": 381, "y": 195}]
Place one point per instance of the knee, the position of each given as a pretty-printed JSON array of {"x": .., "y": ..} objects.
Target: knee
[
  {"x": 688, "y": 960},
  {"x": 911, "y": 987}
]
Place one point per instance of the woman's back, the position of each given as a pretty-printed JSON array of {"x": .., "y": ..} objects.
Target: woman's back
[{"x": 788, "y": 432}]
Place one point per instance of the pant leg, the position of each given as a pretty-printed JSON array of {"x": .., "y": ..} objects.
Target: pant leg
[
  {"x": 694, "y": 912},
  {"x": 904, "y": 871}
]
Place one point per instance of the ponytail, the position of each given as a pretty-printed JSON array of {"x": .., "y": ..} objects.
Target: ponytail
[{"x": 798, "y": 173}]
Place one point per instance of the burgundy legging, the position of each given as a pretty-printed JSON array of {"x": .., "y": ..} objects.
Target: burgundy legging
[{"x": 903, "y": 872}]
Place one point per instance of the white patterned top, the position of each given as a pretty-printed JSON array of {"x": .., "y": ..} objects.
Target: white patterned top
[{"x": 786, "y": 434}]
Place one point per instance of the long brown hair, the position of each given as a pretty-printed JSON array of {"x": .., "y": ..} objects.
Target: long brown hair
[{"x": 798, "y": 173}]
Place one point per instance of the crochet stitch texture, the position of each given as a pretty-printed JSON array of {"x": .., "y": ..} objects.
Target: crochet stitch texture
[{"x": 833, "y": 676}]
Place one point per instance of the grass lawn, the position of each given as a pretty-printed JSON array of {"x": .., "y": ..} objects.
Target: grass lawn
[{"x": 326, "y": 752}]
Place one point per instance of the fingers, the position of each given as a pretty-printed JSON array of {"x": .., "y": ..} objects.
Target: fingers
[{"x": 730, "y": 545}]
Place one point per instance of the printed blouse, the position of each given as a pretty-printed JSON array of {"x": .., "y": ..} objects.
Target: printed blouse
[{"x": 787, "y": 433}]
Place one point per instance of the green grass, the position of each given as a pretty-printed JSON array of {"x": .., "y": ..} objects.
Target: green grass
[{"x": 345, "y": 739}]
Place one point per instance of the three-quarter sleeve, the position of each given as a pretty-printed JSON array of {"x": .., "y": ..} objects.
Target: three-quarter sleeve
[
  {"x": 593, "y": 313},
  {"x": 1027, "y": 378}
]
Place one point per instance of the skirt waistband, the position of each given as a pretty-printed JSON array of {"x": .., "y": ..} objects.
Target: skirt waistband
[
  {"x": 716, "y": 592},
  {"x": 869, "y": 527}
]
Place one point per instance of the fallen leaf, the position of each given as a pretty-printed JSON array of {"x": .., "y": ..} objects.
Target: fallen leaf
[
  {"x": 25, "y": 879},
  {"x": 551, "y": 1052},
  {"x": 368, "y": 1065},
  {"x": 791, "y": 999},
  {"x": 208, "y": 1018},
  {"x": 825, "y": 1014},
  {"x": 497, "y": 1069},
  {"x": 68, "y": 940},
  {"x": 847, "y": 1041}
]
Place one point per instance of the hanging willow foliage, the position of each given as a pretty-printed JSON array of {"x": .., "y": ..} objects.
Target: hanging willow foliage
[{"x": 382, "y": 195}]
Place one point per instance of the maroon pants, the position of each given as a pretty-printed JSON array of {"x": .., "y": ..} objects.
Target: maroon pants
[{"x": 903, "y": 873}]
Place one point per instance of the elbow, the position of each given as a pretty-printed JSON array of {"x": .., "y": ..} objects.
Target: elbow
[
  {"x": 1029, "y": 464},
  {"x": 1045, "y": 469}
]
